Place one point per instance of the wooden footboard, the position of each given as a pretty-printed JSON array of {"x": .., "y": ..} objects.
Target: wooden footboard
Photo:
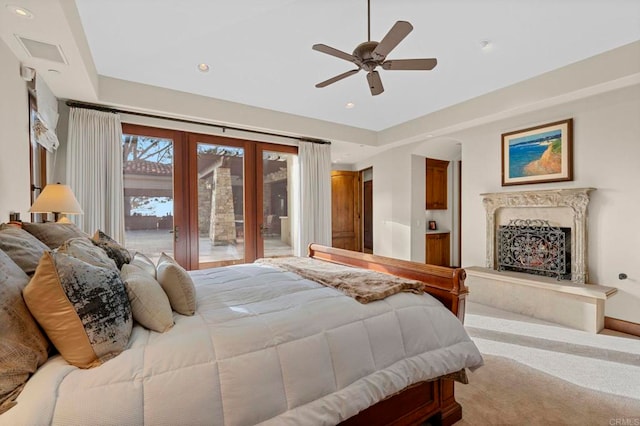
[
  {"x": 445, "y": 284},
  {"x": 428, "y": 400}
]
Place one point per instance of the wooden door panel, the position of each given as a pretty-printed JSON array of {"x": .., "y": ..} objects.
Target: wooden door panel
[{"x": 345, "y": 210}]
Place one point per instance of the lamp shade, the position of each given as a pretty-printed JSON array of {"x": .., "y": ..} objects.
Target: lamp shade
[{"x": 56, "y": 198}]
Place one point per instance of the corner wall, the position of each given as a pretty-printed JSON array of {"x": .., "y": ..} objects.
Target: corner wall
[{"x": 14, "y": 138}]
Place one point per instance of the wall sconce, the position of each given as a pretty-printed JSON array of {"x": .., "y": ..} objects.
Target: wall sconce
[{"x": 56, "y": 198}]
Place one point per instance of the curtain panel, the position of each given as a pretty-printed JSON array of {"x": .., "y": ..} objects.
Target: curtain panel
[
  {"x": 314, "y": 196},
  {"x": 94, "y": 170}
]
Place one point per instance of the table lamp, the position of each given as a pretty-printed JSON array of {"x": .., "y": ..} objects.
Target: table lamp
[{"x": 57, "y": 199}]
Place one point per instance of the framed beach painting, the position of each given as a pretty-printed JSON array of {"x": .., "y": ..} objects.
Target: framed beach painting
[{"x": 538, "y": 154}]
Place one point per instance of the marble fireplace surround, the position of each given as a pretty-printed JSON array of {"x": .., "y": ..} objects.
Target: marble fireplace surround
[
  {"x": 573, "y": 303},
  {"x": 561, "y": 207}
]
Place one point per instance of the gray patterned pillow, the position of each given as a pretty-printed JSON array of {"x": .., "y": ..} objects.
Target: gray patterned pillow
[
  {"x": 22, "y": 247},
  {"x": 114, "y": 250},
  {"x": 83, "y": 308},
  {"x": 83, "y": 248},
  {"x": 23, "y": 348}
]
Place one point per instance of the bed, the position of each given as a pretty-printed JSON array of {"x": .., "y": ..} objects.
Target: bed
[{"x": 269, "y": 347}]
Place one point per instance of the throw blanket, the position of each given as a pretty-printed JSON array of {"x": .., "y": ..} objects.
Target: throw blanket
[{"x": 363, "y": 285}]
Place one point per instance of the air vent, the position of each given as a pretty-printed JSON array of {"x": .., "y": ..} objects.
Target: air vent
[{"x": 42, "y": 50}]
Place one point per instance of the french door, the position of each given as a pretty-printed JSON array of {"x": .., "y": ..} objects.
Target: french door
[
  {"x": 240, "y": 204},
  {"x": 207, "y": 200}
]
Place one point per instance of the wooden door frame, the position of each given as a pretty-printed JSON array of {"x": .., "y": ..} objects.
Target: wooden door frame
[
  {"x": 181, "y": 244},
  {"x": 260, "y": 147},
  {"x": 248, "y": 193}
]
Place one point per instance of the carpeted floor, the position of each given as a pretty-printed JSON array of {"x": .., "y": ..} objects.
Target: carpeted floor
[
  {"x": 505, "y": 392},
  {"x": 539, "y": 373}
]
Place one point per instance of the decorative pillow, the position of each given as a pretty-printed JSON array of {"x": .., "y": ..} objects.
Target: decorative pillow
[
  {"x": 23, "y": 347},
  {"x": 83, "y": 309},
  {"x": 178, "y": 285},
  {"x": 149, "y": 303},
  {"x": 143, "y": 262},
  {"x": 53, "y": 234},
  {"x": 115, "y": 251},
  {"x": 22, "y": 247},
  {"x": 83, "y": 248}
]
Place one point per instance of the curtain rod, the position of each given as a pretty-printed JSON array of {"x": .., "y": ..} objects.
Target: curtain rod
[{"x": 76, "y": 104}]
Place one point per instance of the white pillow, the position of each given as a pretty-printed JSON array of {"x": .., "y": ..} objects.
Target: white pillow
[
  {"x": 143, "y": 262},
  {"x": 177, "y": 284}
]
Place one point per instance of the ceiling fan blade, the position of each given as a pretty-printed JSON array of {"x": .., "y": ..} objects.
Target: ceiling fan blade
[
  {"x": 375, "y": 84},
  {"x": 337, "y": 78},
  {"x": 410, "y": 64},
  {"x": 334, "y": 52},
  {"x": 396, "y": 34}
]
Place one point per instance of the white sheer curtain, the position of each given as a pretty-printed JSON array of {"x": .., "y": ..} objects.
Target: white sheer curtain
[
  {"x": 314, "y": 196},
  {"x": 94, "y": 170}
]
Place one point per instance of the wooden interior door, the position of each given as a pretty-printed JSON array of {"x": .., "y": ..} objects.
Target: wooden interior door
[{"x": 345, "y": 210}]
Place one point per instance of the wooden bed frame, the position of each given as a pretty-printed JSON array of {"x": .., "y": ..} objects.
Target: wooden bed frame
[{"x": 433, "y": 401}]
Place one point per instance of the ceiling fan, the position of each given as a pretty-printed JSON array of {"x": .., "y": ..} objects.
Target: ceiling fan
[{"x": 371, "y": 54}]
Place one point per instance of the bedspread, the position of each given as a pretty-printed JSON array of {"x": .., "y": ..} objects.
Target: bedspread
[{"x": 264, "y": 347}]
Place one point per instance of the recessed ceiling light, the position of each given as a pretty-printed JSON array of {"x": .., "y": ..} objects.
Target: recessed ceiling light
[
  {"x": 20, "y": 11},
  {"x": 54, "y": 71},
  {"x": 203, "y": 67},
  {"x": 485, "y": 44},
  {"x": 349, "y": 105}
]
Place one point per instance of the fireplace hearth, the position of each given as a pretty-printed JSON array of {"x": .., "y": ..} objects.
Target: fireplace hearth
[{"x": 534, "y": 246}]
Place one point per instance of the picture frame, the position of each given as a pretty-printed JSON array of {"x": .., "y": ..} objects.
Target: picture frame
[
  {"x": 432, "y": 225},
  {"x": 538, "y": 154}
]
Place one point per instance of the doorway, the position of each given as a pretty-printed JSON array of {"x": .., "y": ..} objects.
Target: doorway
[{"x": 207, "y": 200}]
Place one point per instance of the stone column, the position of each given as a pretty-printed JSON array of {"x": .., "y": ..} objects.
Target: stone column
[{"x": 223, "y": 226}]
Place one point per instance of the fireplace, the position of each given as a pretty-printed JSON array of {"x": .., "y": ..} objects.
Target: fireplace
[
  {"x": 534, "y": 246},
  {"x": 557, "y": 213}
]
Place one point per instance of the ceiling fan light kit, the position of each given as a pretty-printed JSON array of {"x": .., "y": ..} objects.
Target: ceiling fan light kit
[{"x": 369, "y": 55}]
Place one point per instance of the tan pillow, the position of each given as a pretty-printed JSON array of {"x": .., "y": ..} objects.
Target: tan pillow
[
  {"x": 83, "y": 309},
  {"x": 149, "y": 303},
  {"x": 22, "y": 247},
  {"x": 23, "y": 348},
  {"x": 83, "y": 248},
  {"x": 177, "y": 284},
  {"x": 143, "y": 262},
  {"x": 53, "y": 234}
]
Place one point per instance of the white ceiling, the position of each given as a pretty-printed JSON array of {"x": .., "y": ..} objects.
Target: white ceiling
[{"x": 260, "y": 52}]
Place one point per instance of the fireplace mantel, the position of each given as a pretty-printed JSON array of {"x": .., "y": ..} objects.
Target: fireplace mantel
[{"x": 574, "y": 199}]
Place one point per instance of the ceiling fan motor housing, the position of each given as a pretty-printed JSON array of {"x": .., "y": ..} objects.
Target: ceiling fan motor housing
[{"x": 364, "y": 52}]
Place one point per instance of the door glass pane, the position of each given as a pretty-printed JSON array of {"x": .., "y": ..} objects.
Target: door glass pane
[
  {"x": 148, "y": 194},
  {"x": 220, "y": 204},
  {"x": 277, "y": 205}
]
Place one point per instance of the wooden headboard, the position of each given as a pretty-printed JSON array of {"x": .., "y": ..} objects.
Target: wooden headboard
[{"x": 445, "y": 284}]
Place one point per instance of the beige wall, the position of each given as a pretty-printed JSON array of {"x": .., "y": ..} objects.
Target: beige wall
[
  {"x": 606, "y": 156},
  {"x": 14, "y": 137}
]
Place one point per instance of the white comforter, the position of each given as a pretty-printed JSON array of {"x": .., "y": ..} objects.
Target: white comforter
[{"x": 263, "y": 347}]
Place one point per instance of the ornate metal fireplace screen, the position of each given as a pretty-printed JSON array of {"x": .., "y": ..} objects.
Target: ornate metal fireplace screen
[{"x": 535, "y": 247}]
